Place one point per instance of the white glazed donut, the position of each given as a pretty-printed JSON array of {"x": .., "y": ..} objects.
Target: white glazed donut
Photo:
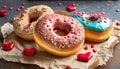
[{"x": 24, "y": 23}]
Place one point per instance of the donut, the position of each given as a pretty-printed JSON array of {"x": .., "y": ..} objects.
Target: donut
[
  {"x": 98, "y": 26},
  {"x": 23, "y": 24},
  {"x": 59, "y": 35}
]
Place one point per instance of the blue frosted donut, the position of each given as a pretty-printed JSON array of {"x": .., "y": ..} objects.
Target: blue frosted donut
[{"x": 97, "y": 22}]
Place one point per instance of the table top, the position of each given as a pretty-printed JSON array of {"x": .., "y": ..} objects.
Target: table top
[{"x": 109, "y": 7}]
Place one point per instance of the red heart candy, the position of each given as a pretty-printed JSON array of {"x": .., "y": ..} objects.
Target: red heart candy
[
  {"x": 71, "y": 8},
  {"x": 29, "y": 52},
  {"x": 3, "y": 13},
  {"x": 8, "y": 46},
  {"x": 84, "y": 57}
]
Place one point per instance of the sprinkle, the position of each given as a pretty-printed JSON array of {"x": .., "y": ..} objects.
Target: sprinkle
[
  {"x": 57, "y": 19},
  {"x": 22, "y": 7},
  {"x": 50, "y": 29},
  {"x": 70, "y": 42},
  {"x": 17, "y": 9},
  {"x": 105, "y": 21},
  {"x": 118, "y": 23},
  {"x": 78, "y": 14},
  {"x": 4, "y": 6},
  {"x": 22, "y": 15},
  {"x": 68, "y": 67},
  {"x": 76, "y": 38},
  {"x": 73, "y": 4},
  {"x": 65, "y": 21},
  {"x": 74, "y": 14},
  {"x": 72, "y": 32},
  {"x": 94, "y": 50},
  {"x": 117, "y": 10},
  {"x": 11, "y": 8},
  {"x": 72, "y": 23},
  {"x": 68, "y": 36},
  {"x": 103, "y": 13},
  {"x": 71, "y": 26},
  {"x": 23, "y": 3},
  {"x": 83, "y": 12},
  {"x": 59, "y": 4},
  {"x": 47, "y": 25},
  {"x": 86, "y": 47},
  {"x": 92, "y": 45}
]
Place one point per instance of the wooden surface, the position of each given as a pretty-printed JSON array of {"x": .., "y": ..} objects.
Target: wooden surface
[{"x": 88, "y": 6}]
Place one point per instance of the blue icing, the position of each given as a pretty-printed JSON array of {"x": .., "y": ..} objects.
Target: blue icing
[{"x": 95, "y": 25}]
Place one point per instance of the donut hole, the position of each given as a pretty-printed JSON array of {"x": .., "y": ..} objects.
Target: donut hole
[
  {"x": 62, "y": 29},
  {"x": 33, "y": 18},
  {"x": 92, "y": 18}
]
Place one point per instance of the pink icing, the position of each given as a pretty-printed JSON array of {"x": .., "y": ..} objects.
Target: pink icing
[{"x": 73, "y": 30}]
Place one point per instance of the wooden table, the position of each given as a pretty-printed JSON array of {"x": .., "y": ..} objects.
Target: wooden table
[{"x": 88, "y": 6}]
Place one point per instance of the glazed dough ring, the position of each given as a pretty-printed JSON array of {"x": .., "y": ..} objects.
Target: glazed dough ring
[{"x": 24, "y": 23}]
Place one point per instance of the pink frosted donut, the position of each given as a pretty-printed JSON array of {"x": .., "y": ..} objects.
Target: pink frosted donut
[{"x": 59, "y": 35}]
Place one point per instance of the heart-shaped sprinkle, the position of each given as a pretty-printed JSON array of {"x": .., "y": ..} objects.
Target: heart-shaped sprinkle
[
  {"x": 8, "y": 46},
  {"x": 3, "y": 13},
  {"x": 29, "y": 52},
  {"x": 71, "y": 8},
  {"x": 68, "y": 67},
  {"x": 85, "y": 57}
]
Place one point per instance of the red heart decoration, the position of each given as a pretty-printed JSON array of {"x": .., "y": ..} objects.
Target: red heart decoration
[
  {"x": 71, "y": 8},
  {"x": 8, "y": 46},
  {"x": 29, "y": 52},
  {"x": 3, "y": 13},
  {"x": 84, "y": 57}
]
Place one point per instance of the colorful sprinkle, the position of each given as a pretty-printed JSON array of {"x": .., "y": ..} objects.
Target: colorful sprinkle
[
  {"x": 22, "y": 7},
  {"x": 23, "y": 3},
  {"x": 4, "y": 6},
  {"x": 94, "y": 50},
  {"x": 11, "y": 8},
  {"x": 118, "y": 23},
  {"x": 86, "y": 47},
  {"x": 92, "y": 45},
  {"x": 17, "y": 9},
  {"x": 70, "y": 42},
  {"x": 68, "y": 67},
  {"x": 117, "y": 10},
  {"x": 22, "y": 15},
  {"x": 59, "y": 4},
  {"x": 73, "y": 4}
]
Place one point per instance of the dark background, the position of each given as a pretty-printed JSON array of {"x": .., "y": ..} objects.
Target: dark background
[{"x": 109, "y": 7}]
